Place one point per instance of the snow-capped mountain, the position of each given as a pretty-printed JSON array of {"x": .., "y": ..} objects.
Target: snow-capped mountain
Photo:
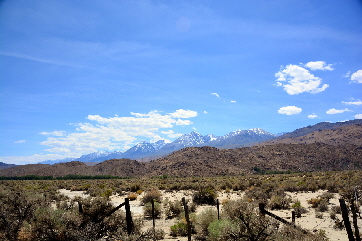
[
  {"x": 241, "y": 138},
  {"x": 92, "y": 156},
  {"x": 159, "y": 144},
  {"x": 139, "y": 150},
  {"x": 57, "y": 161},
  {"x": 192, "y": 139},
  {"x": 144, "y": 149}
]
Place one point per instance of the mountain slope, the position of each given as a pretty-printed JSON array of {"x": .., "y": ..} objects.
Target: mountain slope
[
  {"x": 317, "y": 127},
  {"x": 345, "y": 135}
]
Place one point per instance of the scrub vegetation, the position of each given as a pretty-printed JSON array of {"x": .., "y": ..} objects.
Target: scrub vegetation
[{"x": 36, "y": 210}]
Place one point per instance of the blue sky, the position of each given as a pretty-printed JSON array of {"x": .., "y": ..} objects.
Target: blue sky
[{"x": 82, "y": 76}]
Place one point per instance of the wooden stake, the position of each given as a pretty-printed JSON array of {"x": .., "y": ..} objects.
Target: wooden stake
[
  {"x": 346, "y": 222},
  {"x": 187, "y": 219},
  {"x": 128, "y": 217}
]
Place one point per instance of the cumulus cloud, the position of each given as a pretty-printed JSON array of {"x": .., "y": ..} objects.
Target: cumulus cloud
[
  {"x": 356, "y": 102},
  {"x": 318, "y": 65},
  {"x": 290, "y": 110},
  {"x": 171, "y": 134},
  {"x": 216, "y": 94},
  {"x": 183, "y": 114},
  {"x": 20, "y": 141},
  {"x": 335, "y": 111},
  {"x": 358, "y": 116},
  {"x": 53, "y": 133},
  {"x": 296, "y": 79},
  {"x": 356, "y": 77},
  {"x": 205, "y": 112},
  {"x": 233, "y": 101},
  {"x": 312, "y": 116},
  {"x": 116, "y": 133}
]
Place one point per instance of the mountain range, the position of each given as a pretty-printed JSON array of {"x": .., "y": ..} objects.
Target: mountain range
[
  {"x": 322, "y": 147},
  {"x": 148, "y": 151}
]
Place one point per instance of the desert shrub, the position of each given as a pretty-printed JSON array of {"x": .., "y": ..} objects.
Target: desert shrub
[
  {"x": 179, "y": 229},
  {"x": 333, "y": 215},
  {"x": 132, "y": 196},
  {"x": 147, "y": 210},
  {"x": 205, "y": 196},
  {"x": 149, "y": 234},
  {"x": 326, "y": 196},
  {"x": 221, "y": 230},
  {"x": 203, "y": 221},
  {"x": 318, "y": 214},
  {"x": 172, "y": 209},
  {"x": 279, "y": 202},
  {"x": 336, "y": 209},
  {"x": 17, "y": 207},
  {"x": 83, "y": 219},
  {"x": 151, "y": 195},
  {"x": 314, "y": 202},
  {"x": 256, "y": 194},
  {"x": 289, "y": 233},
  {"x": 250, "y": 225},
  {"x": 323, "y": 206},
  {"x": 298, "y": 208}
]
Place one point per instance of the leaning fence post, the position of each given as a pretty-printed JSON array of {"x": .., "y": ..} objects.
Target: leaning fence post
[
  {"x": 187, "y": 219},
  {"x": 347, "y": 224},
  {"x": 128, "y": 217}
]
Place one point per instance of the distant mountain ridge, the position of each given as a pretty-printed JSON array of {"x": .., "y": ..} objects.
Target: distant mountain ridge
[
  {"x": 235, "y": 139},
  {"x": 335, "y": 149},
  {"x": 161, "y": 148}
]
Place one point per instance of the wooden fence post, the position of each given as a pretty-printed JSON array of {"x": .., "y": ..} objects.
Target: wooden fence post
[
  {"x": 153, "y": 218},
  {"x": 293, "y": 216},
  {"x": 187, "y": 219},
  {"x": 128, "y": 217},
  {"x": 346, "y": 222},
  {"x": 218, "y": 209}
]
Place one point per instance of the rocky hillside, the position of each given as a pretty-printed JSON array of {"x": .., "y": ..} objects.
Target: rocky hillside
[{"x": 345, "y": 135}]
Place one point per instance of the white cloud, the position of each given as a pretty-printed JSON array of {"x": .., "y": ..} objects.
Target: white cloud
[
  {"x": 290, "y": 110},
  {"x": 205, "y": 112},
  {"x": 53, "y": 133},
  {"x": 216, "y": 94},
  {"x": 20, "y": 141},
  {"x": 183, "y": 113},
  {"x": 312, "y": 116},
  {"x": 357, "y": 102},
  {"x": 335, "y": 111},
  {"x": 233, "y": 101},
  {"x": 356, "y": 77},
  {"x": 299, "y": 80},
  {"x": 171, "y": 134},
  {"x": 318, "y": 65},
  {"x": 116, "y": 133},
  {"x": 358, "y": 116},
  {"x": 347, "y": 75}
]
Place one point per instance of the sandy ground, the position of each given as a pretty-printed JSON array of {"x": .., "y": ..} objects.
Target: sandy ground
[{"x": 307, "y": 221}]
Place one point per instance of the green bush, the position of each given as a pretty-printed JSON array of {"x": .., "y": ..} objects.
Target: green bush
[
  {"x": 173, "y": 209},
  {"x": 279, "y": 202},
  {"x": 203, "y": 221},
  {"x": 147, "y": 210},
  {"x": 179, "y": 229},
  {"x": 221, "y": 230},
  {"x": 205, "y": 196},
  {"x": 151, "y": 195}
]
